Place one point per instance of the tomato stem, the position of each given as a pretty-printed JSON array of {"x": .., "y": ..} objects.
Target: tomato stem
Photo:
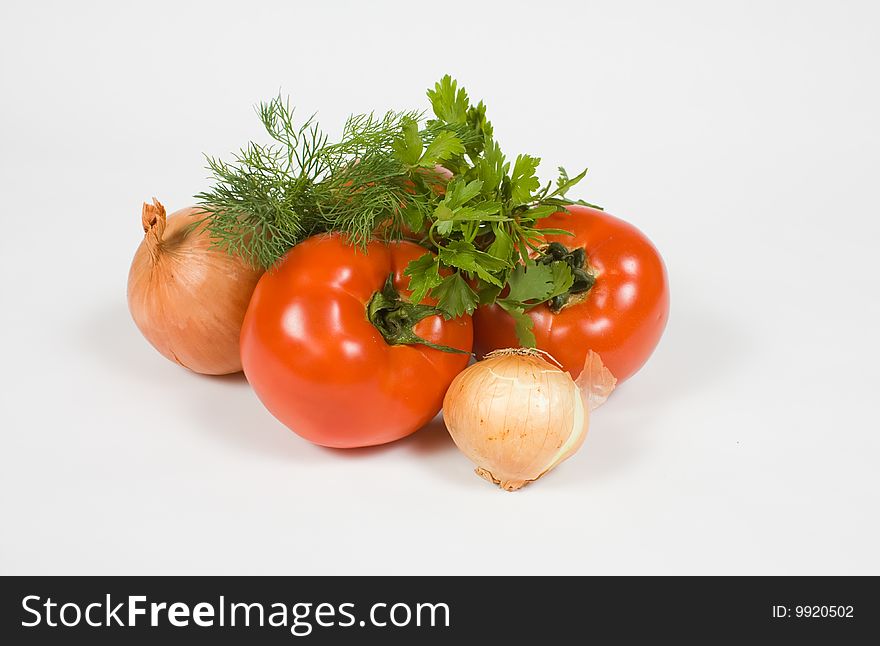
[{"x": 395, "y": 318}]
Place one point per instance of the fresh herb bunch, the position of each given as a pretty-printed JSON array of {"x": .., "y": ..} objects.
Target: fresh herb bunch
[
  {"x": 484, "y": 227},
  {"x": 387, "y": 176},
  {"x": 272, "y": 196}
]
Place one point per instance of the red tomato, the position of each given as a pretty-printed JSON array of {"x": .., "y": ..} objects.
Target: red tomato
[
  {"x": 621, "y": 317},
  {"x": 322, "y": 368}
]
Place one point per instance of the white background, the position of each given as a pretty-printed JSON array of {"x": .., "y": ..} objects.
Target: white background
[{"x": 742, "y": 138}]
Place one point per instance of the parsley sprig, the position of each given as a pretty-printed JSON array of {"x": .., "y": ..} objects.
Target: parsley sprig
[{"x": 485, "y": 225}]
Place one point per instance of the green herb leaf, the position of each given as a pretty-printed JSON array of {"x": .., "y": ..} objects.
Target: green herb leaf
[
  {"x": 538, "y": 212},
  {"x": 481, "y": 128},
  {"x": 413, "y": 217},
  {"x": 533, "y": 284},
  {"x": 556, "y": 232},
  {"x": 444, "y": 227},
  {"x": 562, "y": 180},
  {"x": 464, "y": 255},
  {"x": 443, "y": 213},
  {"x": 454, "y": 296},
  {"x": 523, "y": 323},
  {"x": 491, "y": 168},
  {"x": 444, "y": 146},
  {"x": 424, "y": 275},
  {"x": 564, "y": 184},
  {"x": 562, "y": 278},
  {"x": 502, "y": 245},
  {"x": 530, "y": 282},
  {"x": 450, "y": 103},
  {"x": 458, "y": 192},
  {"x": 488, "y": 207},
  {"x": 467, "y": 213},
  {"x": 460, "y": 253},
  {"x": 487, "y": 293},
  {"x": 408, "y": 147},
  {"x": 524, "y": 180}
]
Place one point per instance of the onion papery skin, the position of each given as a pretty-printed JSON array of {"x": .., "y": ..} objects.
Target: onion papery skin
[
  {"x": 187, "y": 297},
  {"x": 516, "y": 416}
]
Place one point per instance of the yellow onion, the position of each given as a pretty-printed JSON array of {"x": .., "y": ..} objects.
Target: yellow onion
[
  {"x": 186, "y": 296},
  {"x": 516, "y": 415}
]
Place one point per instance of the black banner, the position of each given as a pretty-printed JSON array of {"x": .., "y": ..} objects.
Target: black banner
[{"x": 317, "y": 610}]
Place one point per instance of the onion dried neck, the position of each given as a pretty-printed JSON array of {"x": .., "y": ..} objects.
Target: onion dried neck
[{"x": 153, "y": 219}]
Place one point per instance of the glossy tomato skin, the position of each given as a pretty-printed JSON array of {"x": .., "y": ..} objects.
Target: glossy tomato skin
[
  {"x": 622, "y": 316},
  {"x": 322, "y": 368}
]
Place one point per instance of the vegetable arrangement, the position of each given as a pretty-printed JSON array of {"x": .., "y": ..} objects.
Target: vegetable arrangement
[{"x": 352, "y": 280}]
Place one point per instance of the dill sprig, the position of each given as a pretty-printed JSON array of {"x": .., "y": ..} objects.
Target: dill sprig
[{"x": 273, "y": 195}]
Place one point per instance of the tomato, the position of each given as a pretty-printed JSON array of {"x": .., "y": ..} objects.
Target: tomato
[
  {"x": 319, "y": 364},
  {"x": 622, "y": 315}
]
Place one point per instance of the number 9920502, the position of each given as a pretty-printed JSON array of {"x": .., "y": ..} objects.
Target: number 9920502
[{"x": 823, "y": 612}]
